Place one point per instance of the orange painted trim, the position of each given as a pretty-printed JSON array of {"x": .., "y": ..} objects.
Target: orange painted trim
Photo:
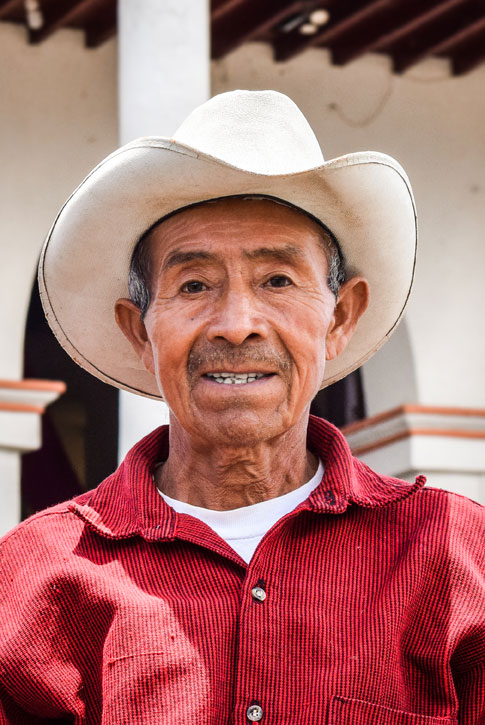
[
  {"x": 388, "y": 440},
  {"x": 412, "y": 408},
  {"x": 21, "y": 408},
  {"x": 56, "y": 386}
]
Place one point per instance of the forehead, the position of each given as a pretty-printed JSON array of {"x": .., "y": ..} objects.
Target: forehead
[{"x": 243, "y": 221}]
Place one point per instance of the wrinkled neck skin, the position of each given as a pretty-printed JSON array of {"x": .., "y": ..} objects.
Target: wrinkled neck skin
[{"x": 224, "y": 478}]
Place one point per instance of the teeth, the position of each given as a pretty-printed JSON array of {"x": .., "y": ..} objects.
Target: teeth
[{"x": 235, "y": 378}]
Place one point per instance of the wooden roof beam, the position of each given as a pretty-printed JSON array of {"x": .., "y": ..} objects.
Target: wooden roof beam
[
  {"x": 408, "y": 19},
  {"x": 344, "y": 18},
  {"x": 59, "y": 15},
  {"x": 438, "y": 9},
  {"x": 471, "y": 57},
  {"x": 103, "y": 27},
  {"x": 219, "y": 8},
  {"x": 236, "y": 23},
  {"x": 6, "y": 7},
  {"x": 449, "y": 41}
]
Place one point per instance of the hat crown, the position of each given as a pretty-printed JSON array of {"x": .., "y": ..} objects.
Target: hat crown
[{"x": 259, "y": 131}]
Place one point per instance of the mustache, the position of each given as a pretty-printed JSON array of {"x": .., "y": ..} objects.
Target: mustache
[{"x": 223, "y": 355}]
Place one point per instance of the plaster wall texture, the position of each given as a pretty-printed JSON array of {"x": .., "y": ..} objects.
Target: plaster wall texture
[
  {"x": 58, "y": 119},
  {"x": 163, "y": 64},
  {"x": 19, "y": 432},
  {"x": 434, "y": 124},
  {"x": 10, "y": 466}
]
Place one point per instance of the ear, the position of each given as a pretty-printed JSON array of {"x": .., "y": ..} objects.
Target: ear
[
  {"x": 352, "y": 302},
  {"x": 128, "y": 318}
]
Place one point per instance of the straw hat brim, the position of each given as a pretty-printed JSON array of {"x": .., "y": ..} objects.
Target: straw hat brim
[{"x": 364, "y": 198}]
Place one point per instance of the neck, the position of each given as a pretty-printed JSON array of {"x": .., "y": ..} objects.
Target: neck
[{"x": 223, "y": 478}]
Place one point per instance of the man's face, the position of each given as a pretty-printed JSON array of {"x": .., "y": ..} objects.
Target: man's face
[{"x": 241, "y": 318}]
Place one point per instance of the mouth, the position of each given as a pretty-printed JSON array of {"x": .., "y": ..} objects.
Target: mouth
[{"x": 231, "y": 378}]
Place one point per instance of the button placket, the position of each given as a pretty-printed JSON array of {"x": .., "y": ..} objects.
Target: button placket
[{"x": 253, "y": 614}]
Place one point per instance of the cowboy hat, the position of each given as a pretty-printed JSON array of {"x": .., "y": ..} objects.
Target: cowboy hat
[{"x": 238, "y": 143}]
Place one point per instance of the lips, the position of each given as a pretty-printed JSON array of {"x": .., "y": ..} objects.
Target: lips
[
  {"x": 232, "y": 378},
  {"x": 216, "y": 363}
]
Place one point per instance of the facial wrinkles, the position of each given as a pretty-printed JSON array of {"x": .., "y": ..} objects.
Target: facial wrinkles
[
  {"x": 213, "y": 230},
  {"x": 307, "y": 293}
]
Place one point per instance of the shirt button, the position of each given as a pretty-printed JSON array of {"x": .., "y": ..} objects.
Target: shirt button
[
  {"x": 259, "y": 594},
  {"x": 254, "y": 713}
]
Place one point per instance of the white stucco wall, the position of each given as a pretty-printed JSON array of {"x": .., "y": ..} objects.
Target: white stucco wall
[
  {"x": 434, "y": 125},
  {"x": 58, "y": 119}
]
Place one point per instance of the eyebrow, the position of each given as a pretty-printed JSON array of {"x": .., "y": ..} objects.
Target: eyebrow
[
  {"x": 177, "y": 258},
  {"x": 285, "y": 254}
]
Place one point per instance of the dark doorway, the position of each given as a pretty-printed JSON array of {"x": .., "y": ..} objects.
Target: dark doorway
[
  {"x": 79, "y": 430},
  {"x": 342, "y": 402}
]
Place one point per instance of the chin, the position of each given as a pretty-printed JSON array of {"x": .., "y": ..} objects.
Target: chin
[{"x": 243, "y": 428}]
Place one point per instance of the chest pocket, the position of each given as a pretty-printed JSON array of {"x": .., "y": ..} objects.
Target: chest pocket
[{"x": 344, "y": 711}]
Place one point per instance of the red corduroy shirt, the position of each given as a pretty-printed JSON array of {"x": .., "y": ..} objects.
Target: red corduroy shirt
[{"x": 369, "y": 607}]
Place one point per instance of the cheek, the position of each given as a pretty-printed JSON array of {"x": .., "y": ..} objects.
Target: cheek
[
  {"x": 307, "y": 318},
  {"x": 171, "y": 338},
  {"x": 303, "y": 327}
]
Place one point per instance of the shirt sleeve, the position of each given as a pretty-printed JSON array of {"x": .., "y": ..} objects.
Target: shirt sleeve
[
  {"x": 471, "y": 693},
  {"x": 12, "y": 714},
  {"x": 39, "y": 677},
  {"x": 467, "y": 608}
]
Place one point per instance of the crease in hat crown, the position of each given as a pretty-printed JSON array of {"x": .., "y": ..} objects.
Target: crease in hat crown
[{"x": 263, "y": 132}]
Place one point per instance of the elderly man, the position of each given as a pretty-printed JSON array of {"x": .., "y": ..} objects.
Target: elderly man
[{"x": 240, "y": 565}]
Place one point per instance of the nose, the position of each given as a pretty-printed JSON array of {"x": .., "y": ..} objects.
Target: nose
[{"x": 237, "y": 319}]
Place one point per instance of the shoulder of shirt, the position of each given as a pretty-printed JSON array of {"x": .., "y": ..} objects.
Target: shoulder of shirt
[
  {"x": 463, "y": 512},
  {"x": 458, "y": 498},
  {"x": 459, "y": 502},
  {"x": 463, "y": 517},
  {"x": 42, "y": 519},
  {"x": 427, "y": 502}
]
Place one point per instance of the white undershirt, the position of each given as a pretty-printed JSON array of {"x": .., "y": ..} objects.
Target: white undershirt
[{"x": 243, "y": 528}]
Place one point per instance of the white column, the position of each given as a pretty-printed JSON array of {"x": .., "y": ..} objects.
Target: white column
[
  {"x": 164, "y": 63},
  {"x": 164, "y": 73},
  {"x": 22, "y": 403}
]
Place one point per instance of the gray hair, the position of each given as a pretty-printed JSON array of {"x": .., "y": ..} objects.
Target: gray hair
[{"x": 139, "y": 276}]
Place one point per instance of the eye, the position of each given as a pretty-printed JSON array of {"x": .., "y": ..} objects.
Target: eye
[
  {"x": 193, "y": 287},
  {"x": 279, "y": 281}
]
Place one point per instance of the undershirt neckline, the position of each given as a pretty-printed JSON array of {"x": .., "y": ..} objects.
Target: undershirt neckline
[{"x": 244, "y": 527}]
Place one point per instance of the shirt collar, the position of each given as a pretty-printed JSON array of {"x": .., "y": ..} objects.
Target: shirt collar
[
  {"x": 347, "y": 480},
  {"x": 127, "y": 503}
]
